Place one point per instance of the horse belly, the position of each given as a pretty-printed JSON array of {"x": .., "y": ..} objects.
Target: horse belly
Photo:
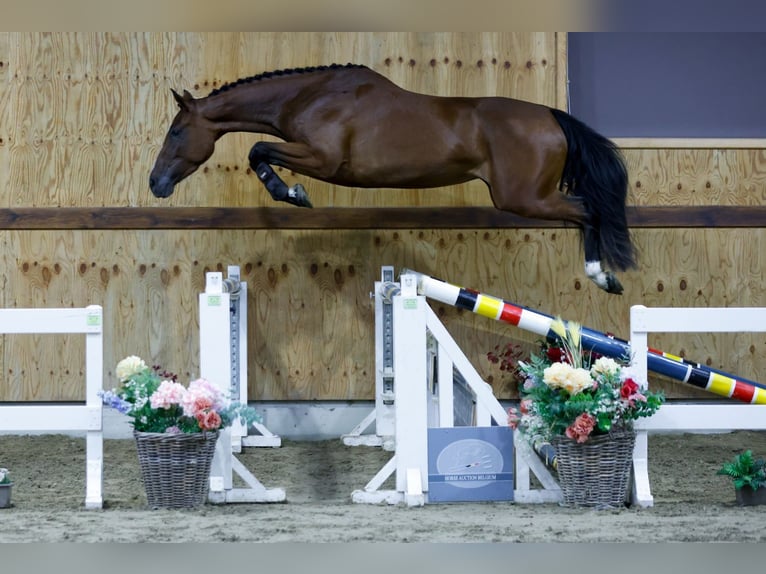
[
  {"x": 409, "y": 159},
  {"x": 401, "y": 175}
]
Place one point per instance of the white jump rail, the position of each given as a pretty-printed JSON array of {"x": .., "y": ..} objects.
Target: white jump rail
[
  {"x": 53, "y": 418},
  {"x": 687, "y": 417}
]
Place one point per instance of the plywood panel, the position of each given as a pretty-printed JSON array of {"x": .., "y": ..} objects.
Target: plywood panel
[
  {"x": 682, "y": 177},
  {"x": 311, "y": 317},
  {"x": 5, "y": 117}
]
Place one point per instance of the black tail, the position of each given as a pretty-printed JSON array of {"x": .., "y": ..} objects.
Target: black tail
[{"x": 595, "y": 171}]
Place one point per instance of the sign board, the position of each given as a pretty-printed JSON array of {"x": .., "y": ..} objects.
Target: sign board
[{"x": 470, "y": 464}]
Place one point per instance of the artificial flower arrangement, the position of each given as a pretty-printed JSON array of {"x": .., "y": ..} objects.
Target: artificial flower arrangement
[
  {"x": 5, "y": 476},
  {"x": 158, "y": 403},
  {"x": 568, "y": 392}
]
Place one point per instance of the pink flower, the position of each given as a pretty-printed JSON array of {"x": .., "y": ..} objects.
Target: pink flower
[
  {"x": 525, "y": 405},
  {"x": 581, "y": 428},
  {"x": 635, "y": 397},
  {"x": 194, "y": 405},
  {"x": 202, "y": 395},
  {"x": 529, "y": 383},
  {"x": 167, "y": 395},
  {"x": 208, "y": 420}
]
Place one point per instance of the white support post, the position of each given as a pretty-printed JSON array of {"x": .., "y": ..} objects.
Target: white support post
[
  {"x": 480, "y": 388},
  {"x": 687, "y": 417},
  {"x": 223, "y": 356},
  {"x": 445, "y": 390},
  {"x": 94, "y": 376},
  {"x": 88, "y": 418},
  {"x": 411, "y": 402},
  {"x": 382, "y": 416}
]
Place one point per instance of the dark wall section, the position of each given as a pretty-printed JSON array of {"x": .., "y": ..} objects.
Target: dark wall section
[{"x": 710, "y": 85}]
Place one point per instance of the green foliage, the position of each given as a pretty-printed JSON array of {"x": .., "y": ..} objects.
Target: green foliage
[{"x": 745, "y": 470}]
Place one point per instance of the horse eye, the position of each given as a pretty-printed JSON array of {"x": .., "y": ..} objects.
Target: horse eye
[{"x": 175, "y": 132}]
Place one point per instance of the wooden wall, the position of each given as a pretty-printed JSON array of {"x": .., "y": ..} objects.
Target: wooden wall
[{"x": 82, "y": 116}]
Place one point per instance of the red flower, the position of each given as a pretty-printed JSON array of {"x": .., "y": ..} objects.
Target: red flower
[
  {"x": 629, "y": 388},
  {"x": 556, "y": 355}
]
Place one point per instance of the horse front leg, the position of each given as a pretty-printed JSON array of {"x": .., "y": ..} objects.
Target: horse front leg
[{"x": 259, "y": 162}]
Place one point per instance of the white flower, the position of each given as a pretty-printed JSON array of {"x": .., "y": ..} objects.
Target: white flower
[
  {"x": 4, "y": 475},
  {"x": 605, "y": 366},
  {"x": 565, "y": 376},
  {"x": 128, "y": 367},
  {"x": 579, "y": 381}
]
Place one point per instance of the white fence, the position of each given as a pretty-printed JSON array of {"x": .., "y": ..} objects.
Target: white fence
[
  {"x": 53, "y": 418},
  {"x": 688, "y": 417}
]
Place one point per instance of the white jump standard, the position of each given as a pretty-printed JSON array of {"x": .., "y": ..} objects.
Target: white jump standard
[
  {"x": 419, "y": 387},
  {"x": 223, "y": 360}
]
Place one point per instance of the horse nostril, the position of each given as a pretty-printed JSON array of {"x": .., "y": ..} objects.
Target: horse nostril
[{"x": 152, "y": 181}]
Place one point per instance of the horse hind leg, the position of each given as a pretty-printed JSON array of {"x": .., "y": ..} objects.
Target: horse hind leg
[
  {"x": 591, "y": 235},
  {"x": 559, "y": 206},
  {"x": 274, "y": 184},
  {"x": 604, "y": 279}
]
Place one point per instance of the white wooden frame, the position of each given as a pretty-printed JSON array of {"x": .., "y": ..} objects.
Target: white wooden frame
[
  {"x": 88, "y": 417},
  {"x": 687, "y": 417},
  {"x": 415, "y": 411}
]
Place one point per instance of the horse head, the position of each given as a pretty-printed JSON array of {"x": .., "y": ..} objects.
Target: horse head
[{"x": 190, "y": 141}]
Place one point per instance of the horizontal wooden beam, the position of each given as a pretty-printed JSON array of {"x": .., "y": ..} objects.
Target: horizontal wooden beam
[
  {"x": 689, "y": 143},
  {"x": 28, "y": 218}
]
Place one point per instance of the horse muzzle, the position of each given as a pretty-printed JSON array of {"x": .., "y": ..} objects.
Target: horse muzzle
[{"x": 161, "y": 187}]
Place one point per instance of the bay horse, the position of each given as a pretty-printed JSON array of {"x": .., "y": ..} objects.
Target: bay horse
[{"x": 348, "y": 125}]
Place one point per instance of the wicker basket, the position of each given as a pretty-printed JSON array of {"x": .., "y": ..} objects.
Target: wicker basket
[
  {"x": 175, "y": 467},
  {"x": 596, "y": 472}
]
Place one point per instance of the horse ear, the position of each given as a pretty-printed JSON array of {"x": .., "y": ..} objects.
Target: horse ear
[
  {"x": 178, "y": 99},
  {"x": 183, "y": 101}
]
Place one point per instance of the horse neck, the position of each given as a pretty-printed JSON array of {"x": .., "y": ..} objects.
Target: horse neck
[{"x": 255, "y": 107}]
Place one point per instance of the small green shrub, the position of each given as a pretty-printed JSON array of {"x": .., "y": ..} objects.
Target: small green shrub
[{"x": 745, "y": 470}]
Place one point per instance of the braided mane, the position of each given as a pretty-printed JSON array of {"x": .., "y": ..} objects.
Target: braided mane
[{"x": 279, "y": 73}]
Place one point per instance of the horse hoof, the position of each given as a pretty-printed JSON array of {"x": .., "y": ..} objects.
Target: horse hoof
[
  {"x": 298, "y": 196},
  {"x": 613, "y": 285}
]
